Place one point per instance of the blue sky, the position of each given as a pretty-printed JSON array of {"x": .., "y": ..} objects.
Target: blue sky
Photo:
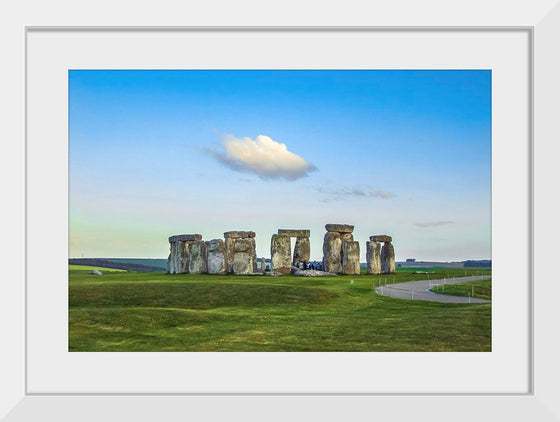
[{"x": 156, "y": 153}]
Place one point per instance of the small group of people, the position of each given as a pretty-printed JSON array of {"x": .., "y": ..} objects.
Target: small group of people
[{"x": 313, "y": 265}]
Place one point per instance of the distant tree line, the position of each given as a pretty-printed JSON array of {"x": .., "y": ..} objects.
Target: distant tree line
[{"x": 484, "y": 263}]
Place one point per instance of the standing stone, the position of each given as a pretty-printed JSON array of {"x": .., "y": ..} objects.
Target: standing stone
[
  {"x": 229, "y": 252},
  {"x": 171, "y": 258},
  {"x": 177, "y": 262},
  {"x": 242, "y": 263},
  {"x": 263, "y": 264},
  {"x": 243, "y": 256},
  {"x": 216, "y": 256},
  {"x": 182, "y": 257},
  {"x": 253, "y": 251},
  {"x": 179, "y": 252},
  {"x": 281, "y": 253},
  {"x": 350, "y": 257},
  {"x": 373, "y": 257},
  {"x": 198, "y": 257},
  {"x": 332, "y": 251},
  {"x": 388, "y": 258},
  {"x": 302, "y": 250},
  {"x": 240, "y": 243}
]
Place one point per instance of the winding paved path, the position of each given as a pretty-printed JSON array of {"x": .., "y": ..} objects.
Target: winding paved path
[{"x": 419, "y": 290}]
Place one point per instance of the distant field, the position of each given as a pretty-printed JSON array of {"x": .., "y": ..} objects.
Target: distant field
[
  {"x": 151, "y": 262},
  {"x": 153, "y": 311},
  {"x": 122, "y": 263},
  {"x": 90, "y": 268}
]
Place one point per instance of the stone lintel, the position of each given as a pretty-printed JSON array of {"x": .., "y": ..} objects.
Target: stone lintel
[
  {"x": 381, "y": 238},
  {"x": 185, "y": 238},
  {"x": 294, "y": 232},
  {"x": 238, "y": 234},
  {"x": 341, "y": 228}
]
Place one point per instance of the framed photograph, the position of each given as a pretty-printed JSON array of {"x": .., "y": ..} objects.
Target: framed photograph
[{"x": 500, "y": 79}]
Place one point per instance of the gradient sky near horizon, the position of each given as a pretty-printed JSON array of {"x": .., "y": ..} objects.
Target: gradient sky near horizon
[{"x": 153, "y": 153}]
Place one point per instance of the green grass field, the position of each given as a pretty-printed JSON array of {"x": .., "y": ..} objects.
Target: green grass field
[
  {"x": 481, "y": 289},
  {"x": 126, "y": 311}
]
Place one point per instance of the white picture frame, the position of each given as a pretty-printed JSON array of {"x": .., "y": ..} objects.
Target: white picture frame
[{"x": 539, "y": 403}]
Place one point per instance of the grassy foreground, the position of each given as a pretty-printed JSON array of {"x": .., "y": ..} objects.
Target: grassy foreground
[{"x": 127, "y": 311}]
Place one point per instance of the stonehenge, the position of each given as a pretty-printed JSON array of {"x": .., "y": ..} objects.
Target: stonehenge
[
  {"x": 380, "y": 259},
  {"x": 281, "y": 249},
  {"x": 189, "y": 254},
  {"x": 237, "y": 253},
  {"x": 341, "y": 254}
]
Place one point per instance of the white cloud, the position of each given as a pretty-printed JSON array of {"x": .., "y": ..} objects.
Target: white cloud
[
  {"x": 378, "y": 193},
  {"x": 262, "y": 156},
  {"x": 381, "y": 193}
]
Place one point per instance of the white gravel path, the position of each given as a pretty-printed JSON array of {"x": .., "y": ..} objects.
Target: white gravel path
[{"x": 419, "y": 290}]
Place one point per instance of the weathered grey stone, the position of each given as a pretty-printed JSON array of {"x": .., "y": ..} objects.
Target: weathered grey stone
[
  {"x": 242, "y": 245},
  {"x": 238, "y": 234},
  {"x": 216, "y": 256},
  {"x": 178, "y": 260},
  {"x": 229, "y": 251},
  {"x": 215, "y": 245},
  {"x": 183, "y": 257},
  {"x": 380, "y": 238},
  {"x": 332, "y": 251},
  {"x": 242, "y": 263},
  {"x": 388, "y": 258},
  {"x": 302, "y": 250},
  {"x": 185, "y": 238},
  {"x": 179, "y": 252},
  {"x": 263, "y": 264},
  {"x": 294, "y": 232},
  {"x": 350, "y": 257},
  {"x": 281, "y": 253},
  {"x": 341, "y": 228},
  {"x": 171, "y": 258},
  {"x": 373, "y": 257},
  {"x": 198, "y": 257},
  {"x": 169, "y": 264},
  {"x": 253, "y": 249},
  {"x": 347, "y": 237}
]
